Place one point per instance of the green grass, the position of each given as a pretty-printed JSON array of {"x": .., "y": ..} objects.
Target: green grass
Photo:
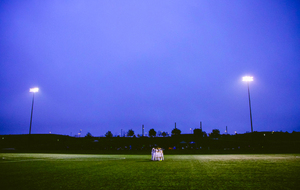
[{"x": 83, "y": 171}]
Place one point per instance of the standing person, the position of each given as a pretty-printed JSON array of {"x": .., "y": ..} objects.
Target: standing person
[
  {"x": 156, "y": 154},
  {"x": 159, "y": 154},
  {"x": 153, "y": 154}
]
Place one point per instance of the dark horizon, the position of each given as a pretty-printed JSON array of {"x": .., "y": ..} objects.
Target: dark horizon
[{"x": 169, "y": 134}]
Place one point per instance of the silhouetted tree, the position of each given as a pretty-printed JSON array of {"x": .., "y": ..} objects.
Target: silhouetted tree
[
  {"x": 176, "y": 131},
  {"x": 108, "y": 134},
  {"x": 152, "y": 133},
  {"x": 198, "y": 132},
  {"x": 164, "y": 134},
  {"x": 88, "y": 135},
  {"x": 215, "y": 133},
  {"x": 130, "y": 133}
]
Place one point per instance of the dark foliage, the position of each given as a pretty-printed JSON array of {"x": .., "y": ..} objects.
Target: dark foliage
[
  {"x": 88, "y": 135},
  {"x": 108, "y": 134},
  {"x": 130, "y": 133},
  {"x": 152, "y": 133},
  {"x": 176, "y": 131},
  {"x": 215, "y": 133}
]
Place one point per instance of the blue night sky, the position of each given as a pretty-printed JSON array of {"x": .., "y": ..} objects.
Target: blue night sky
[{"x": 112, "y": 65}]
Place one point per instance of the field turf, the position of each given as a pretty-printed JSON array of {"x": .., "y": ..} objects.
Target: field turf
[{"x": 85, "y": 171}]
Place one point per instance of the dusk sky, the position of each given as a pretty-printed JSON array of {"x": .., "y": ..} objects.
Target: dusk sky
[{"x": 111, "y": 65}]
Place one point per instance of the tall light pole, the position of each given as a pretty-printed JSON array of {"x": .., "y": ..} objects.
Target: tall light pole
[
  {"x": 248, "y": 79},
  {"x": 33, "y": 90}
]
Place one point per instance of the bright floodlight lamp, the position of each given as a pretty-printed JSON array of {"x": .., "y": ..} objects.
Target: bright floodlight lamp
[
  {"x": 34, "y": 90},
  {"x": 248, "y": 79}
]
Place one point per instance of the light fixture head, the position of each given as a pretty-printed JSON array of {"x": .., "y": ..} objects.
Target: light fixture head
[
  {"x": 33, "y": 90},
  {"x": 247, "y": 78}
]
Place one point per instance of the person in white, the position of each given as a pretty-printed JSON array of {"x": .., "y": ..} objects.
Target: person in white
[
  {"x": 157, "y": 154},
  {"x": 153, "y": 154},
  {"x": 162, "y": 155}
]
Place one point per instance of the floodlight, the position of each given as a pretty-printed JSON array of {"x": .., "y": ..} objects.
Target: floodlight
[
  {"x": 33, "y": 90},
  {"x": 247, "y": 78}
]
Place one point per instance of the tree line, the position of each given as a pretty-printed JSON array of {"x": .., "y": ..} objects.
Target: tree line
[{"x": 152, "y": 133}]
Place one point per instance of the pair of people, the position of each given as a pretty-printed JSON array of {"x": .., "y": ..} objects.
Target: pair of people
[{"x": 157, "y": 154}]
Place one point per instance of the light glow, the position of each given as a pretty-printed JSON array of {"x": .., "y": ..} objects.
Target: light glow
[
  {"x": 247, "y": 78},
  {"x": 33, "y": 90}
]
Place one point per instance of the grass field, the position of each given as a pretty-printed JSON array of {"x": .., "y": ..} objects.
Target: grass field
[{"x": 84, "y": 171}]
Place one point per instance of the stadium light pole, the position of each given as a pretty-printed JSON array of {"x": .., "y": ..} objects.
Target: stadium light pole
[
  {"x": 33, "y": 90},
  {"x": 248, "y": 79}
]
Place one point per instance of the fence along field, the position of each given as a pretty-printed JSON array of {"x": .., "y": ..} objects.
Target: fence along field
[{"x": 84, "y": 171}]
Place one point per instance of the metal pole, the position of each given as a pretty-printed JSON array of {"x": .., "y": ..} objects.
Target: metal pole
[
  {"x": 250, "y": 108},
  {"x": 31, "y": 114},
  {"x": 201, "y": 125}
]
